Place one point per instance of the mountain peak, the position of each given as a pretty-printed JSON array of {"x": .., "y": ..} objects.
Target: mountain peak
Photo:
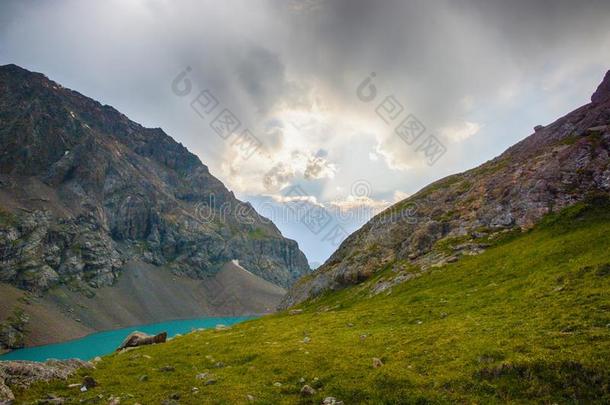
[
  {"x": 17, "y": 71},
  {"x": 11, "y": 66},
  {"x": 602, "y": 94}
]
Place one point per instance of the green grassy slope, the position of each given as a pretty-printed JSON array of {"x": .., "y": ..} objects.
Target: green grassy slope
[{"x": 525, "y": 321}]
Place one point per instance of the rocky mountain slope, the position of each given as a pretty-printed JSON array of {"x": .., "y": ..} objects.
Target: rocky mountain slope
[
  {"x": 560, "y": 164},
  {"x": 84, "y": 190}
]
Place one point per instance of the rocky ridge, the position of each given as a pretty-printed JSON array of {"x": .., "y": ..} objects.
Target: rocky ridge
[{"x": 558, "y": 165}]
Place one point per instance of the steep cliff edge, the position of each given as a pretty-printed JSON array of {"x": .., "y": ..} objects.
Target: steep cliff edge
[{"x": 557, "y": 166}]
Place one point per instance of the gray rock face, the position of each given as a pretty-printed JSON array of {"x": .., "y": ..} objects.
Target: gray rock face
[
  {"x": 83, "y": 190},
  {"x": 560, "y": 164}
]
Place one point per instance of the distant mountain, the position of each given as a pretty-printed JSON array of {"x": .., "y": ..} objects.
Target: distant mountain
[
  {"x": 84, "y": 191},
  {"x": 557, "y": 166}
]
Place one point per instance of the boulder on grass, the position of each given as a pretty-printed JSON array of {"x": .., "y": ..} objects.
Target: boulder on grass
[{"x": 140, "y": 339}]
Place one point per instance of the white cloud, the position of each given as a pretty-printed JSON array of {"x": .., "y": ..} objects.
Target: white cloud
[
  {"x": 310, "y": 199},
  {"x": 400, "y": 195},
  {"x": 351, "y": 203},
  {"x": 461, "y": 132},
  {"x": 319, "y": 168}
]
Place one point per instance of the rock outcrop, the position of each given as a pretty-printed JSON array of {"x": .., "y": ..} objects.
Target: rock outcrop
[
  {"x": 83, "y": 190},
  {"x": 22, "y": 374},
  {"x": 557, "y": 166}
]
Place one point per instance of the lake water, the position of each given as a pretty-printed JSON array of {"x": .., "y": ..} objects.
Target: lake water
[{"x": 101, "y": 343}]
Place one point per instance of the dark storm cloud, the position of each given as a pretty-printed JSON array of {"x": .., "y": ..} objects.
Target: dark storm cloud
[
  {"x": 436, "y": 52},
  {"x": 262, "y": 75}
]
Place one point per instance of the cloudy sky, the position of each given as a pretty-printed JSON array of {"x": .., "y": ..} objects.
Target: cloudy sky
[{"x": 349, "y": 105}]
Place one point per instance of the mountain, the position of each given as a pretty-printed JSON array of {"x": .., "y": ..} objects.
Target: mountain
[
  {"x": 87, "y": 194},
  {"x": 557, "y": 166},
  {"x": 512, "y": 309}
]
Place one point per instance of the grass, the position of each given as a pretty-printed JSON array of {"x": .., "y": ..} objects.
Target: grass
[
  {"x": 526, "y": 321},
  {"x": 258, "y": 234}
]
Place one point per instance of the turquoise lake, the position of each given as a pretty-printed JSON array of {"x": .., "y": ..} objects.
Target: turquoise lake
[{"x": 101, "y": 343}]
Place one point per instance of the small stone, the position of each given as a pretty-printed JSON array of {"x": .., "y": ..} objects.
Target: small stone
[
  {"x": 201, "y": 376},
  {"x": 50, "y": 399},
  {"x": 443, "y": 314},
  {"x": 301, "y": 380},
  {"x": 307, "y": 391},
  {"x": 331, "y": 401},
  {"x": 175, "y": 395},
  {"x": 377, "y": 362},
  {"x": 166, "y": 369},
  {"x": 89, "y": 382},
  {"x": 350, "y": 325},
  {"x": 83, "y": 389},
  {"x": 306, "y": 339},
  {"x": 74, "y": 385},
  {"x": 250, "y": 398},
  {"x": 195, "y": 390},
  {"x": 114, "y": 400},
  {"x": 295, "y": 311},
  {"x": 221, "y": 327},
  {"x": 419, "y": 322},
  {"x": 363, "y": 337},
  {"x": 97, "y": 359},
  {"x": 220, "y": 364},
  {"x": 146, "y": 356},
  {"x": 210, "y": 381},
  {"x": 277, "y": 384},
  {"x": 143, "y": 378}
]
